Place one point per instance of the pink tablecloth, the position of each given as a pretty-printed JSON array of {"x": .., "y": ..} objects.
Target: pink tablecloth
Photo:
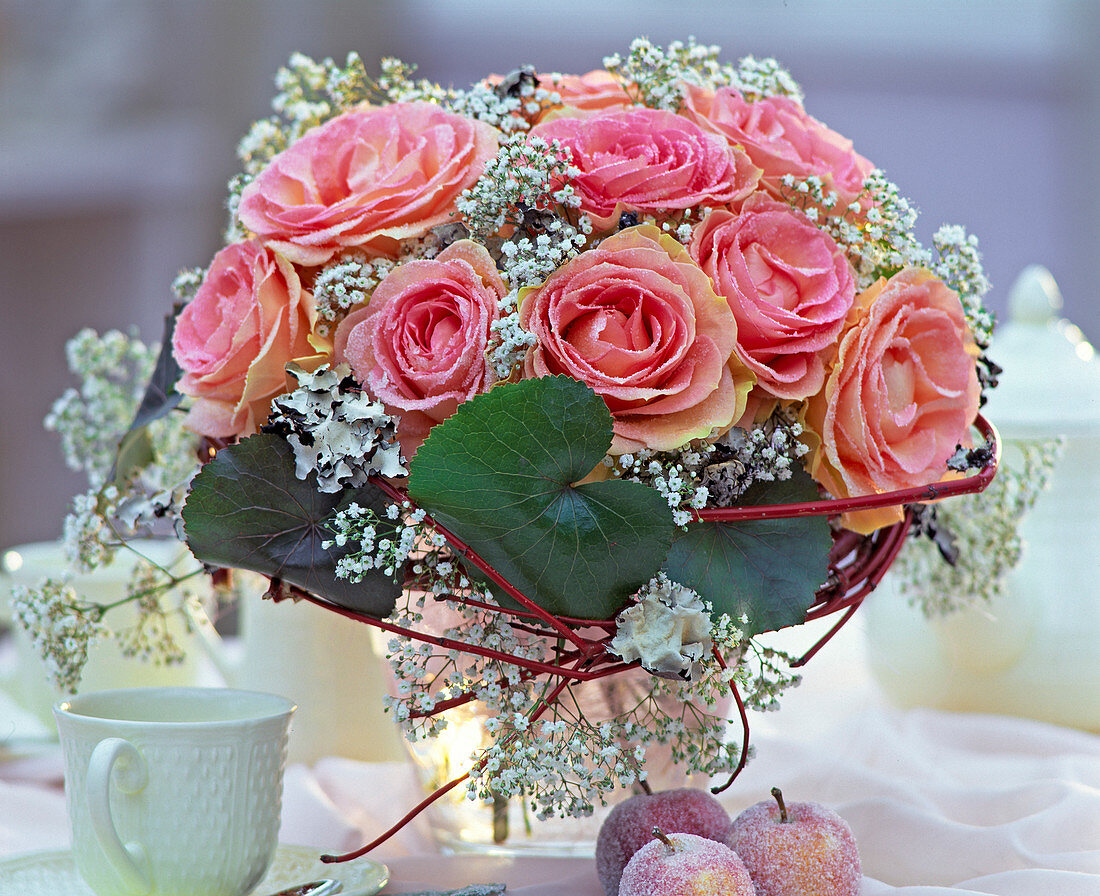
[{"x": 941, "y": 804}]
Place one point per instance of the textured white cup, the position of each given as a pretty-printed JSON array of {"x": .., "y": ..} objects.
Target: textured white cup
[{"x": 174, "y": 791}]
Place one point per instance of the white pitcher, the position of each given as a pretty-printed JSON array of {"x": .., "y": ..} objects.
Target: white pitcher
[
  {"x": 328, "y": 665},
  {"x": 1032, "y": 651},
  {"x": 29, "y": 684}
]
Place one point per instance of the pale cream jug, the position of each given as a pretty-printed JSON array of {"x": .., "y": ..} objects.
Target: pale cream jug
[
  {"x": 331, "y": 667},
  {"x": 28, "y": 682}
]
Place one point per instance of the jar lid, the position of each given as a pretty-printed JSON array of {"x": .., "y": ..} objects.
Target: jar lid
[{"x": 1051, "y": 380}]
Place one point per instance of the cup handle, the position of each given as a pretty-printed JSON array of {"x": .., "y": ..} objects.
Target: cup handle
[{"x": 113, "y": 754}]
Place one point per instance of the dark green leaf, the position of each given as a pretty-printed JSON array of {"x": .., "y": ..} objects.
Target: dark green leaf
[
  {"x": 499, "y": 474},
  {"x": 247, "y": 510},
  {"x": 767, "y": 570},
  {"x": 160, "y": 395},
  {"x": 135, "y": 450}
]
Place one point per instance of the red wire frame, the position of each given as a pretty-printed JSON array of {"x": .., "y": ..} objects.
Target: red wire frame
[{"x": 857, "y": 563}]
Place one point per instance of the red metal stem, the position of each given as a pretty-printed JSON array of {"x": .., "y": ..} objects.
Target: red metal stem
[
  {"x": 409, "y": 816},
  {"x": 536, "y": 714},
  {"x": 474, "y": 557},
  {"x": 462, "y": 646},
  {"x": 921, "y": 494},
  {"x": 744, "y": 758}
]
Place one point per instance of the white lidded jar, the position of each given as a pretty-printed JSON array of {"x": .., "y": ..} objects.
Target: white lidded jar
[{"x": 1032, "y": 651}]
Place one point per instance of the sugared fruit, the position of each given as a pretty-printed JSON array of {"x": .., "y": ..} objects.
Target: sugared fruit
[
  {"x": 797, "y": 849},
  {"x": 685, "y": 865},
  {"x": 629, "y": 827}
]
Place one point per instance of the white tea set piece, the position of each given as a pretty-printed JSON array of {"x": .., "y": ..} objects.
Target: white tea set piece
[{"x": 174, "y": 790}]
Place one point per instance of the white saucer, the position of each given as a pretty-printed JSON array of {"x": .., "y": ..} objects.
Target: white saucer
[{"x": 53, "y": 873}]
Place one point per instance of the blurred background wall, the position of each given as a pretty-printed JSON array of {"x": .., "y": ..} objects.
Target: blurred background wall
[{"x": 119, "y": 118}]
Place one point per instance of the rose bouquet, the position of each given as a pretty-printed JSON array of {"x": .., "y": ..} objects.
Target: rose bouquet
[{"x": 562, "y": 376}]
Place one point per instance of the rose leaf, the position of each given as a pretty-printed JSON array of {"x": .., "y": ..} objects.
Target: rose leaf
[
  {"x": 767, "y": 570},
  {"x": 500, "y": 475},
  {"x": 248, "y": 510},
  {"x": 135, "y": 449}
]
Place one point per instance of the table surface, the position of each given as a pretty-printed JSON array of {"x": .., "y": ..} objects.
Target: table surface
[{"x": 942, "y": 804}]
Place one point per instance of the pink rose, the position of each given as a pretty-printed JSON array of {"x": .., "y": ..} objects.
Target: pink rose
[
  {"x": 638, "y": 321},
  {"x": 647, "y": 160},
  {"x": 789, "y": 285},
  {"x": 368, "y": 178},
  {"x": 900, "y": 396},
  {"x": 233, "y": 340},
  {"x": 781, "y": 139},
  {"x": 595, "y": 91},
  {"x": 419, "y": 345}
]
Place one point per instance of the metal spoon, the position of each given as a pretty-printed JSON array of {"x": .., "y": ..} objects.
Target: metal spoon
[{"x": 315, "y": 888}]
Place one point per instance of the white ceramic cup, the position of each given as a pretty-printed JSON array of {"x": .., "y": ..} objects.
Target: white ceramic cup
[{"x": 174, "y": 791}]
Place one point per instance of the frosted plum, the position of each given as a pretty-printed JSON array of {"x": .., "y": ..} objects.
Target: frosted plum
[
  {"x": 797, "y": 849},
  {"x": 629, "y": 827},
  {"x": 685, "y": 865}
]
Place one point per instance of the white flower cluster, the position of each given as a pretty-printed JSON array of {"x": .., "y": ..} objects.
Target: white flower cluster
[
  {"x": 667, "y": 630},
  {"x": 674, "y": 474},
  {"x": 508, "y": 341},
  {"x": 985, "y": 532},
  {"x": 396, "y": 84},
  {"x": 553, "y": 764},
  {"x": 766, "y": 453},
  {"x": 760, "y": 78},
  {"x": 657, "y": 77},
  {"x": 87, "y": 537},
  {"x": 347, "y": 281},
  {"x": 336, "y": 430},
  {"x": 113, "y": 369},
  {"x": 960, "y": 267},
  {"x": 378, "y": 545},
  {"x": 527, "y": 178},
  {"x": 526, "y": 261},
  {"x": 510, "y": 105},
  {"x": 883, "y": 240},
  {"x": 60, "y": 626},
  {"x": 810, "y": 195}
]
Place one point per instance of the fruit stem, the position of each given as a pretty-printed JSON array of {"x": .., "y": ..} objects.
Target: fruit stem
[
  {"x": 663, "y": 837},
  {"x": 778, "y": 794}
]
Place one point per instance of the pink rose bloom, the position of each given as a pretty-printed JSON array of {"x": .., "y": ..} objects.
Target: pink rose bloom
[
  {"x": 638, "y": 321},
  {"x": 900, "y": 396},
  {"x": 789, "y": 285},
  {"x": 233, "y": 340},
  {"x": 781, "y": 139},
  {"x": 367, "y": 179},
  {"x": 419, "y": 345},
  {"x": 647, "y": 160},
  {"x": 595, "y": 91}
]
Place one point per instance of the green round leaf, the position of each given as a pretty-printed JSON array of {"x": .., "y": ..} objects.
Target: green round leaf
[
  {"x": 767, "y": 570},
  {"x": 500, "y": 475},
  {"x": 248, "y": 510}
]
